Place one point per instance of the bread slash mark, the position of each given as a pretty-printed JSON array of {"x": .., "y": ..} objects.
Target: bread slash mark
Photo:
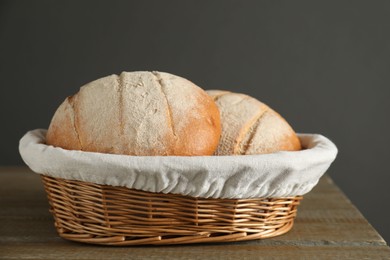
[
  {"x": 169, "y": 110},
  {"x": 119, "y": 80},
  {"x": 73, "y": 118},
  {"x": 252, "y": 132}
]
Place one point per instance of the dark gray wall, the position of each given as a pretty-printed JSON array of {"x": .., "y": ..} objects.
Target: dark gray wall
[{"x": 324, "y": 65}]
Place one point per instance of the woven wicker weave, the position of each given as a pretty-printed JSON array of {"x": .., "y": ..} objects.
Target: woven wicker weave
[{"x": 101, "y": 214}]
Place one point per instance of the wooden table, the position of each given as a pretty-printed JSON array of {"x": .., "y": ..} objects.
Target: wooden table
[{"x": 328, "y": 226}]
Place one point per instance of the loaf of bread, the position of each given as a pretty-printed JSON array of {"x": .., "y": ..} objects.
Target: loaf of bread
[
  {"x": 251, "y": 127},
  {"x": 138, "y": 113}
]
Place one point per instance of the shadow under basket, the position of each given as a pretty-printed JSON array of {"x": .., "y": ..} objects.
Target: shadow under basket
[{"x": 118, "y": 216}]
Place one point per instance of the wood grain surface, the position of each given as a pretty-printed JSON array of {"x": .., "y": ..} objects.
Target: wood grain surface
[{"x": 328, "y": 226}]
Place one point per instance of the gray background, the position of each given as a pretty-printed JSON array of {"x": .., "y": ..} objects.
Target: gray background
[{"x": 323, "y": 65}]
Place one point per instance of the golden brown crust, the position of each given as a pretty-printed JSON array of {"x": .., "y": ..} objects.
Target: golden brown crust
[
  {"x": 62, "y": 131},
  {"x": 290, "y": 142},
  {"x": 202, "y": 135}
]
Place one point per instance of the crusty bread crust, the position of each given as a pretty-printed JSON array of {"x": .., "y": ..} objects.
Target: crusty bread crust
[
  {"x": 138, "y": 113},
  {"x": 251, "y": 127}
]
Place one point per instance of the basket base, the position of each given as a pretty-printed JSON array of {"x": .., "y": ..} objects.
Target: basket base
[
  {"x": 107, "y": 215},
  {"x": 161, "y": 240}
]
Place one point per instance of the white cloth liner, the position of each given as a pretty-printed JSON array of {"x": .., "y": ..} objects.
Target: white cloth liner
[{"x": 281, "y": 174}]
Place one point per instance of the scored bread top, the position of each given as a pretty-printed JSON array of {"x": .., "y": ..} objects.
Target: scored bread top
[
  {"x": 251, "y": 127},
  {"x": 138, "y": 113}
]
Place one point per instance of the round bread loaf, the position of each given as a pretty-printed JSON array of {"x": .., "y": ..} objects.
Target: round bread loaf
[
  {"x": 251, "y": 127},
  {"x": 138, "y": 113}
]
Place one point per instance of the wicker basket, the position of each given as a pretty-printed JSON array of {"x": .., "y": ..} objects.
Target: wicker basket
[{"x": 108, "y": 215}]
